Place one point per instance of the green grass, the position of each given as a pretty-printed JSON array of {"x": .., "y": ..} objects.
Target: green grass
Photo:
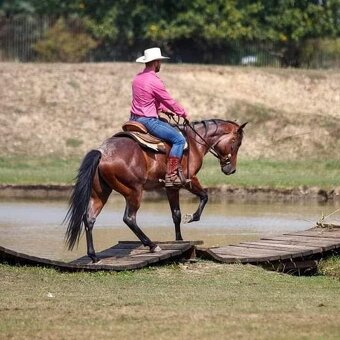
[
  {"x": 274, "y": 174},
  {"x": 250, "y": 173},
  {"x": 330, "y": 267},
  {"x": 47, "y": 170},
  {"x": 204, "y": 300}
]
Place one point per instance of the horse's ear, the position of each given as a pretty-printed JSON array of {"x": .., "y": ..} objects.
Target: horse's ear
[{"x": 241, "y": 127}]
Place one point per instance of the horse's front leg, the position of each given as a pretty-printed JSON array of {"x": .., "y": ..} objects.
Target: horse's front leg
[
  {"x": 197, "y": 189},
  {"x": 173, "y": 198},
  {"x": 132, "y": 206}
]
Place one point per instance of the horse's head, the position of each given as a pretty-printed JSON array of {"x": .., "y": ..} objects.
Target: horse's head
[{"x": 227, "y": 145}]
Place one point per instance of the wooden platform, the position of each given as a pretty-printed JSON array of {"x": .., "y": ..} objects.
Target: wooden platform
[
  {"x": 133, "y": 255},
  {"x": 297, "y": 252},
  {"x": 290, "y": 252},
  {"x": 125, "y": 255}
]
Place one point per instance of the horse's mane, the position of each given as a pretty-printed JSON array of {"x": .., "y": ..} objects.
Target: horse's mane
[
  {"x": 214, "y": 120},
  {"x": 207, "y": 122}
]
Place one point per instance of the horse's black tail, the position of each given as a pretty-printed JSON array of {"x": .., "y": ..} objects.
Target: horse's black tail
[{"x": 80, "y": 197}]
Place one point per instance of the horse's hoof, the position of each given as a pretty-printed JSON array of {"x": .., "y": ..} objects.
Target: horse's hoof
[
  {"x": 155, "y": 249},
  {"x": 188, "y": 218},
  {"x": 94, "y": 259}
]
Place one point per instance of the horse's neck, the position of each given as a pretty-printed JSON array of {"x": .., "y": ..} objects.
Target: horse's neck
[{"x": 203, "y": 139}]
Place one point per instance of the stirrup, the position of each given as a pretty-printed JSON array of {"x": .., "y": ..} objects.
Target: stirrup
[
  {"x": 181, "y": 175},
  {"x": 172, "y": 181}
]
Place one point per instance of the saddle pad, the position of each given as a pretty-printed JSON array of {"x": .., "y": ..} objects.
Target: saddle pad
[{"x": 144, "y": 139}]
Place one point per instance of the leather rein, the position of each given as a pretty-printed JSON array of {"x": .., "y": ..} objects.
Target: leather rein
[{"x": 224, "y": 160}]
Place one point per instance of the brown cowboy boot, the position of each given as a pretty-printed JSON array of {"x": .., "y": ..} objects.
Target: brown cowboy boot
[{"x": 174, "y": 175}]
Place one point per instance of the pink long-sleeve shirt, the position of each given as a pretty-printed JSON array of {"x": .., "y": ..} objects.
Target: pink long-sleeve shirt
[{"x": 149, "y": 96}]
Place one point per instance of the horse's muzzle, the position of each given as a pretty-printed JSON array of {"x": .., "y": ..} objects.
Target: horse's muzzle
[{"x": 228, "y": 169}]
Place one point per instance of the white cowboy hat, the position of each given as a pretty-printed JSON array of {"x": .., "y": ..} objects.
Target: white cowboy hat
[{"x": 151, "y": 54}]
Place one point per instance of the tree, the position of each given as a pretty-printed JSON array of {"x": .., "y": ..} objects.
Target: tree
[
  {"x": 194, "y": 30},
  {"x": 292, "y": 23},
  {"x": 64, "y": 42},
  {"x": 206, "y": 28},
  {"x": 13, "y": 7}
]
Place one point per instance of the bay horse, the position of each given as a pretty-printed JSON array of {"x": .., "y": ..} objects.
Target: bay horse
[{"x": 121, "y": 164}]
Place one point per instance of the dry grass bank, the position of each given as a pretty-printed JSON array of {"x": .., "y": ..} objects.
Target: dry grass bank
[{"x": 66, "y": 109}]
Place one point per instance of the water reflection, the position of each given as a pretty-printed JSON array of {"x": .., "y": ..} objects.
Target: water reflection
[{"x": 34, "y": 226}]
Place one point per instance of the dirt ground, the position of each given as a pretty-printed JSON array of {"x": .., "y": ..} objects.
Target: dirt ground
[{"x": 67, "y": 109}]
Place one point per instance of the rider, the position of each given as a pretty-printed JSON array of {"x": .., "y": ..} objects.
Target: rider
[{"x": 149, "y": 97}]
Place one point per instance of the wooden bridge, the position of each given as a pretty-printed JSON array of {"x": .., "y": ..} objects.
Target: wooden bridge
[
  {"x": 125, "y": 255},
  {"x": 297, "y": 252}
]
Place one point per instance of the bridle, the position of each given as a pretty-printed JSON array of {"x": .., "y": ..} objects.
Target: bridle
[{"x": 224, "y": 160}]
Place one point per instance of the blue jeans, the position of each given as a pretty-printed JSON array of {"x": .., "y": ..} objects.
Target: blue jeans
[{"x": 165, "y": 132}]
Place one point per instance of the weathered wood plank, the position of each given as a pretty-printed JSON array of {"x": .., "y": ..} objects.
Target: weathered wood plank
[
  {"x": 232, "y": 258},
  {"x": 317, "y": 234},
  {"x": 324, "y": 244},
  {"x": 137, "y": 252},
  {"x": 282, "y": 244},
  {"x": 106, "y": 260},
  {"x": 163, "y": 255},
  {"x": 251, "y": 254},
  {"x": 183, "y": 247},
  {"x": 243, "y": 250},
  {"x": 122, "y": 244},
  {"x": 247, "y": 250},
  {"x": 112, "y": 254},
  {"x": 300, "y": 240},
  {"x": 130, "y": 256},
  {"x": 134, "y": 245},
  {"x": 291, "y": 251},
  {"x": 11, "y": 256},
  {"x": 226, "y": 259},
  {"x": 294, "y": 250},
  {"x": 268, "y": 254}
]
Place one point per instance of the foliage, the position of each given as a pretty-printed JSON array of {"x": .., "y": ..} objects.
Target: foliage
[
  {"x": 320, "y": 52},
  {"x": 222, "y": 20},
  {"x": 198, "y": 29},
  {"x": 330, "y": 267},
  {"x": 38, "y": 7},
  {"x": 13, "y": 7},
  {"x": 62, "y": 44},
  {"x": 292, "y": 22}
]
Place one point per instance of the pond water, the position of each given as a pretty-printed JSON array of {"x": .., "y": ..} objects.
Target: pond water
[{"x": 35, "y": 226}]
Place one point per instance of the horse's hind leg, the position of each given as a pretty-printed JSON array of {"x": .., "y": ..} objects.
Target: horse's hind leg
[
  {"x": 173, "y": 198},
  {"x": 89, "y": 223},
  {"x": 96, "y": 204},
  {"x": 132, "y": 206}
]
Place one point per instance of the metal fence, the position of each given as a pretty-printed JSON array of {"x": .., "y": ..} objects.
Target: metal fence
[{"x": 19, "y": 35}]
